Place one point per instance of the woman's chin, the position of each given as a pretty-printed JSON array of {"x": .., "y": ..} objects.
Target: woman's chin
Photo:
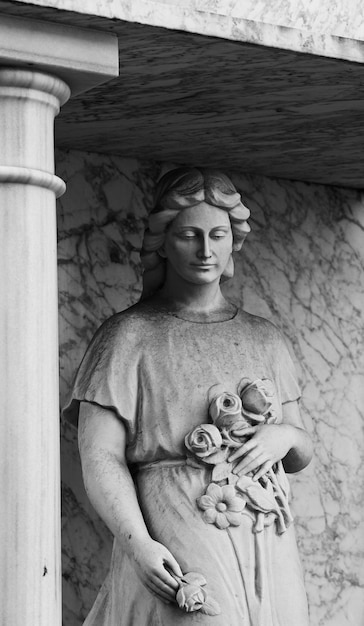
[
  {"x": 203, "y": 275},
  {"x": 204, "y": 278}
]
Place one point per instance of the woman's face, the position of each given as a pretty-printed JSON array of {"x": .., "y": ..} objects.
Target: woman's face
[{"x": 198, "y": 244}]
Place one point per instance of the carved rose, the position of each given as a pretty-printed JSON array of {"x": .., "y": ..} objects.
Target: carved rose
[
  {"x": 256, "y": 398},
  {"x": 190, "y": 598},
  {"x": 205, "y": 443},
  {"x": 221, "y": 506},
  {"x": 225, "y": 409}
]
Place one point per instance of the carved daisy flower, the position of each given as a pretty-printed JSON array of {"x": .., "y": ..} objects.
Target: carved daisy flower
[{"x": 221, "y": 506}]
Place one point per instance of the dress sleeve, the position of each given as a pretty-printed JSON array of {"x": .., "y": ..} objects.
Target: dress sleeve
[
  {"x": 289, "y": 387},
  {"x": 107, "y": 377}
]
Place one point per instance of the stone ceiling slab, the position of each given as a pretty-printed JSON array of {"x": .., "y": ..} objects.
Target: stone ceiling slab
[{"x": 189, "y": 98}]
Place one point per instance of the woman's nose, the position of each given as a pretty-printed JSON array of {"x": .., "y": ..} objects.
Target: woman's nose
[{"x": 204, "y": 249}]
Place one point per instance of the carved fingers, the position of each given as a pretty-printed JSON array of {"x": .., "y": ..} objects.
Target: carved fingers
[
  {"x": 158, "y": 589},
  {"x": 158, "y": 570},
  {"x": 268, "y": 445}
]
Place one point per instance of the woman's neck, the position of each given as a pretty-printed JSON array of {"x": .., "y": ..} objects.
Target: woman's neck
[{"x": 204, "y": 299}]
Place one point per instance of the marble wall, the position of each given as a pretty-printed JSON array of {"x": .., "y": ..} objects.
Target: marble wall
[{"x": 301, "y": 267}]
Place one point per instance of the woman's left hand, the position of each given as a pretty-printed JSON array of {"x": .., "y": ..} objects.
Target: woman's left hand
[{"x": 269, "y": 443}]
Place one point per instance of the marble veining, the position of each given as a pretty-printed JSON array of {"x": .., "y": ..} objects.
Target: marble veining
[
  {"x": 100, "y": 225},
  {"x": 301, "y": 267}
]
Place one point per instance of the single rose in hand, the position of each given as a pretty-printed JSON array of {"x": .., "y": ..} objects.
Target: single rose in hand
[
  {"x": 205, "y": 442},
  {"x": 190, "y": 597},
  {"x": 225, "y": 410}
]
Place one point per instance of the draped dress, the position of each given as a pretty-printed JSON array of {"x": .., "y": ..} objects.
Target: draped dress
[{"x": 154, "y": 370}]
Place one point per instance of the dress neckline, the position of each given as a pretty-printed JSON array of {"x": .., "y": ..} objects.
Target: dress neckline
[{"x": 190, "y": 317}]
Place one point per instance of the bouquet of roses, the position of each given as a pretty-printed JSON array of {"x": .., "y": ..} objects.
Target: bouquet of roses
[
  {"x": 211, "y": 444},
  {"x": 231, "y": 414}
]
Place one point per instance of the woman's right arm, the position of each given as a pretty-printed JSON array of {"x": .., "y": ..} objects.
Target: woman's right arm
[{"x": 111, "y": 490}]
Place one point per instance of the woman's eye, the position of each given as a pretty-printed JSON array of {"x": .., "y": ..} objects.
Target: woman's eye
[
  {"x": 218, "y": 235},
  {"x": 187, "y": 235}
]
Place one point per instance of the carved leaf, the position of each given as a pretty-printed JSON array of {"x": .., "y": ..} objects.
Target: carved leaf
[
  {"x": 210, "y": 607},
  {"x": 253, "y": 417},
  {"x": 233, "y": 479},
  {"x": 221, "y": 471},
  {"x": 257, "y": 496},
  {"x": 194, "y": 578},
  {"x": 193, "y": 462},
  {"x": 233, "y": 517},
  {"x": 216, "y": 457},
  {"x": 261, "y": 499},
  {"x": 243, "y": 383},
  {"x": 244, "y": 482},
  {"x": 282, "y": 479},
  {"x": 214, "y": 391}
]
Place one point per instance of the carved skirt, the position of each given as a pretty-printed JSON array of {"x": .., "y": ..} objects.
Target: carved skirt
[{"x": 255, "y": 577}]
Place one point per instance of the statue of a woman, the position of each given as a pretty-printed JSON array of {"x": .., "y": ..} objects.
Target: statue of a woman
[{"x": 188, "y": 421}]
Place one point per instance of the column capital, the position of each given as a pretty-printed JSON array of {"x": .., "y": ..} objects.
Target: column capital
[
  {"x": 14, "y": 77},
  {"x": 29, "y": 102},
  {"x": 83, "y": 58},
  {"x": 29, "y": 93}
]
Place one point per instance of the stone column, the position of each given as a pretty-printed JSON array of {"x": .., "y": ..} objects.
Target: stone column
[
  {"x": 40, "y": 62},
  {"x": 29, "y": 420}
]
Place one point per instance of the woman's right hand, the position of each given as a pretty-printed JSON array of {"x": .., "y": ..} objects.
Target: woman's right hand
[
  {"x": 102, "y": 440},
  {"x": 150, "y": 561}
]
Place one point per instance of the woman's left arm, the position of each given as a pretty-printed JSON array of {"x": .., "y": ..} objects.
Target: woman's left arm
[{"x": 270, "y": 443}]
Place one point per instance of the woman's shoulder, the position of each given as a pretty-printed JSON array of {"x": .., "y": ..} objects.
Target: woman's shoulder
[
  {"x": 259, "y": 326},
  {"x": 131, "y": 321},
  {"x": 122, "y": 332}
]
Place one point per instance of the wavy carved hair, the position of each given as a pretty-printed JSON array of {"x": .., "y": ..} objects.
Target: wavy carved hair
[{"x": 180, "y": 189}]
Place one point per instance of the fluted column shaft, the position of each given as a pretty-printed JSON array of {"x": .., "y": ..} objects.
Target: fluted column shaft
[{"x": 29, "y": 414}]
